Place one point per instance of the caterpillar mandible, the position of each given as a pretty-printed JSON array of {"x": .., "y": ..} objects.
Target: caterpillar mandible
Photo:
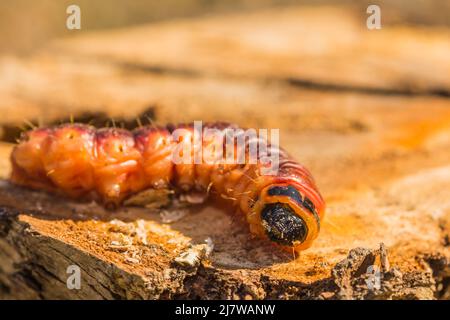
[{"x": 112, "y": 164}]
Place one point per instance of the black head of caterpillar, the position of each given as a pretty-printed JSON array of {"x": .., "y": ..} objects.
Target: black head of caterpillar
[
  {"x": 288, "y": 217},
  {"x": 282, "y": 224}
]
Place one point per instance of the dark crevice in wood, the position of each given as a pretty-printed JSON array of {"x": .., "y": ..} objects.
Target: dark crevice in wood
[
  {"x": 292, "y": 81},
  {"x": 322, "y": 86}
]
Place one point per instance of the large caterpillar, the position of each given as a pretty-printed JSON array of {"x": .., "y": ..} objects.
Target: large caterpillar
[{"x": 113, "y": 164}]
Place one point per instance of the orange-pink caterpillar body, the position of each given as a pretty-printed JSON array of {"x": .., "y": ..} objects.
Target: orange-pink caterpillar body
[{"x": 113, "y": 164}]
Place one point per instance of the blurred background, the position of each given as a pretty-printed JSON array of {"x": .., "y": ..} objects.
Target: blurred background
[{"x": 26, "y": 24}]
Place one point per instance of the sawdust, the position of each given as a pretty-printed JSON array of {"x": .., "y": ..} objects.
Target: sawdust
[{"x": 114, "y": 246}]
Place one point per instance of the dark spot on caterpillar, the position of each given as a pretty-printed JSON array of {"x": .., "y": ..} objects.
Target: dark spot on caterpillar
[
  {"x": 282, "y": 225},
  {"x": 293, "y": 193},
  {"x": 308, "y": 204},
  {"x": 288, "y": 191}
]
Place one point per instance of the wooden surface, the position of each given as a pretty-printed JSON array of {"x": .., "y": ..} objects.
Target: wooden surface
[{"x": 367, "y": 112}]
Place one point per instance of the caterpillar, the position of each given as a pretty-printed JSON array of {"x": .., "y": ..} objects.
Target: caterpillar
[{"x": 112, "y": 164}]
